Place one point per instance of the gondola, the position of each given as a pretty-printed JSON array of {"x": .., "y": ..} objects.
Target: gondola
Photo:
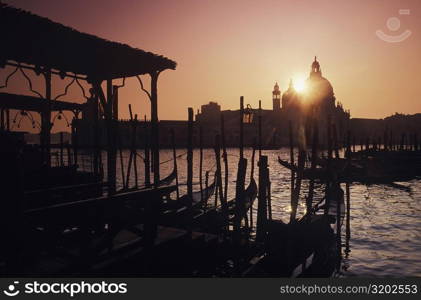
[
  {"x": 172, "y": 208},
  {"x": 169, "y": 179},
  {"x": 249, "y": 196},
  {"x": 305, "y": 247}
]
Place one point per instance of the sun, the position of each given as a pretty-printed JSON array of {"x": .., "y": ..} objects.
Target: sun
[{"x": 300, "y": 85}]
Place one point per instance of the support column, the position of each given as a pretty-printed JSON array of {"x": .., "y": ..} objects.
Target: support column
[
  {"x": 155, "y": 127},
  {"x": 96, "y": 136},
  {"x": 112, "y": 150},
  {"x": 8, "y": 119},
  {"x": 46, "y": 121},
  {"x": 2, "y": 122}
]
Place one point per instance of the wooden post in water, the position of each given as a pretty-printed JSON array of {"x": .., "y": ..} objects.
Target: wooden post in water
[
  {"x": 262, "y": 201},
  {"x": 129, "y": 166},
  {"x": 174, "y": 155},
  {"x": 241, "y": 127},
  {"x": 269, "y": 195},
  {"x": 124, "y": 181},
  {"x": 134, "y": 147},
  {"x": 224, "y": 206},
  {"x": 201, "y": 164},
  {"x": 329, "y": 164},
  {"x": 296, "y": 194},
  {"x": 260, "y": 129},
  {"x": 338, "y": 198},
  {"x": 190, "y": 160},
  {"x": 239, "y": 208},
  {"x": 347, "y": 188},
  {"x": 147, "y": 157},
  {"x": 252, "y": 178},
  {"x": 291, "y": 155},
  {"x": 239, "y": 198},
  {"x": 225, "y": 158},
  {"x": 205, "y": 205},
  {"x": 314, "y": 148}
]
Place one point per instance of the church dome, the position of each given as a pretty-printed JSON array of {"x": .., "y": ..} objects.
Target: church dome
[{"x": 319, "y": 89}]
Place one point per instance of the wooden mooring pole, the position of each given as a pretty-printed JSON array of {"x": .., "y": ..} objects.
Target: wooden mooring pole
[
  {"x": 347, "y": 189},
  {"x": 296, "y": 193},
  {"x": 147, "y": 156},
  {"x": 225, "y": 158},
  {"x": 239, "y": 198},
  {"x": 174, "y": 155},
  {"x": 252, "y": 178},
  {"x": 262, "y": 200},
  {"x": 200, "y": 164},
  {"x": 329, "y": 164},
  {"x": 224, "y": 205},
  {"x": 190, "y": 160},
  {"x": 259, "y": 133},
  {"x": 314, "y": 149},
  {"x": 241, "y": 146},
  {"x": 291, "y": 155}
]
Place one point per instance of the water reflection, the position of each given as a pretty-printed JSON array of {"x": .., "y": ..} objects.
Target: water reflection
[{"x": 385, "y": 220}]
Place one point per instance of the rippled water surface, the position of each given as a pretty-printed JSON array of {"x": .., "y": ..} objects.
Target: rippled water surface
[{"x": 385, "y": 219}]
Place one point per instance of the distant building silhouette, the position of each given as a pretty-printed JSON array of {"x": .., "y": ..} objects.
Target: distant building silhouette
[{"x": 318, "y": 99}]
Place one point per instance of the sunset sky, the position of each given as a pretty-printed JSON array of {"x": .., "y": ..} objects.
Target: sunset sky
[{"x": 227, "y": 49}]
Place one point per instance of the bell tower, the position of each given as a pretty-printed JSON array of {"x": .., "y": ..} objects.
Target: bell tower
[{"x": 276, "y": 98}]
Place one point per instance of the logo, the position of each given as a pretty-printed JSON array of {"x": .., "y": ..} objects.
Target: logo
[
  {"x": 12, "y": 290},
  {"x": 394, "y": 24},
  {"x": 67, "y": 288}
]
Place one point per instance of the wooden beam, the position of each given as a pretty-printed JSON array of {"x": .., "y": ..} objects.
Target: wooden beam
[{"x": 30, "y": 103}]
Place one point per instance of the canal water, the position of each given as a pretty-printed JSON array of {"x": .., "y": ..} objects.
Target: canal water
[{"x": 385, "y": 219}]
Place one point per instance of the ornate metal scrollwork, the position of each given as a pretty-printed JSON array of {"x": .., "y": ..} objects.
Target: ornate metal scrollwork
[
  {"x": 75, "y": 79},
  {"x": 25, "y": 114},
  {"x": 19, "y": 68}
]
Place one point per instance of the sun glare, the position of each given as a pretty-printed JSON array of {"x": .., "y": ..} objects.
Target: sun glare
[{"x": 300, "y": 85}]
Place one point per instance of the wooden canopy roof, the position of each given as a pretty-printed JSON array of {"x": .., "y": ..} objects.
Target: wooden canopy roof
[{"x": 31, "y": 39}]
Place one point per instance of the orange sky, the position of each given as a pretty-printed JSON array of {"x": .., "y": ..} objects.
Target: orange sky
[{"x": 225, "y": 49}]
